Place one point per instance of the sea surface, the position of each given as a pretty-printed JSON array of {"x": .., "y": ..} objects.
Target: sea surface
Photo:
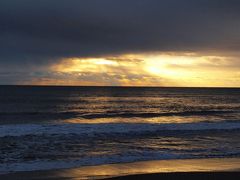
[{"x": 63, "y": 127}]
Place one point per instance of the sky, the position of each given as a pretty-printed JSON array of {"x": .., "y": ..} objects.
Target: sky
[{"x": 190, "y": 43}]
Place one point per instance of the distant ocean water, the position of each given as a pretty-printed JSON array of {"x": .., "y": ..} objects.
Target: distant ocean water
[{"x": 63, "y": 127}]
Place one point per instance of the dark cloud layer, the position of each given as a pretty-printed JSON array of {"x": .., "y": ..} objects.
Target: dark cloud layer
[{"x": 42, "y": 31}]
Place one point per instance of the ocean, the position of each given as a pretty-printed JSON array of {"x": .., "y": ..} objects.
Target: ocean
[{"x": 45, "y": 128}]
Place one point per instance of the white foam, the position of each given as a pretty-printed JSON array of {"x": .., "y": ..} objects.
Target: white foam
[
  {"x": 93, "y": 129},
  {"x": 88, "y": 161}
]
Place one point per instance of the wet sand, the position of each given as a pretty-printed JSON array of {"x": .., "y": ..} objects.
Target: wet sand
[
  {"x": 184, "y": 176},
  {"x": 164, "y": 169}
]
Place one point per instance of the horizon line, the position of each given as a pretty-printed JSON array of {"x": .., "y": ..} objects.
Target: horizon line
[{"x": 112, "y": 86}]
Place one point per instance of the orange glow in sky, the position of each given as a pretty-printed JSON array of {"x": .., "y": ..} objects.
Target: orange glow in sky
[{"x": 169, "y": 69}]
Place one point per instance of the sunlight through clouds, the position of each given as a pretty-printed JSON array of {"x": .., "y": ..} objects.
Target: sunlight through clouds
[{"x": 162, "y": 69}]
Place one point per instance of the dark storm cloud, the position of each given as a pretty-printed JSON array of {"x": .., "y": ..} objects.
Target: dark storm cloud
[{"x": 43, "y": 31}]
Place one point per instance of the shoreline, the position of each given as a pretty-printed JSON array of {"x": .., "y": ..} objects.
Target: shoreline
[{"x": 225, "y": 168}]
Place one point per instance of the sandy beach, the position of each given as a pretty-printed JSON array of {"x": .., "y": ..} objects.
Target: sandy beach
[
  {"x": 164, "y": 169},
  {"x": 184, "y": 176}
]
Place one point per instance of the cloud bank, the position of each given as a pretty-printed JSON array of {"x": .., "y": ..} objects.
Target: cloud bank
[{"x": 40, "y": 33}]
